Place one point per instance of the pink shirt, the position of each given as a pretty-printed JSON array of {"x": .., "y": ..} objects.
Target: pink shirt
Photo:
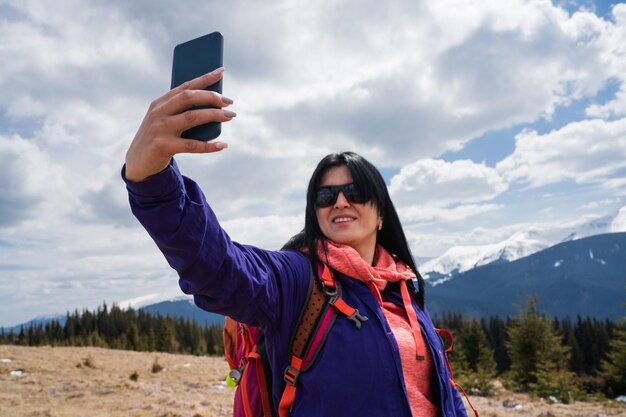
[{"x": 417, "y": 374}]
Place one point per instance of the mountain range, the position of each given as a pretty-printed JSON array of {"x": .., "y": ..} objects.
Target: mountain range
[
  {"x": 184, "y": 307},
  {"x": 577, "y": 269},
  {"x": 525, "y": 242},
  {"x": 584, "y": 277}
]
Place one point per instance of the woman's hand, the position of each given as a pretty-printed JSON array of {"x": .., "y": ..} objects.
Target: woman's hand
[{"x": 158, "y": 138}]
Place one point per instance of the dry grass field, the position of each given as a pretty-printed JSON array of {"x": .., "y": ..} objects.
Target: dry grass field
[
  {"x": 71, "y": 382},
  {"x": 97, "y": 382}
]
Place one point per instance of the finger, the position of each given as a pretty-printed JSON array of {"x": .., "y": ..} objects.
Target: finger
[
  {"x": 186, "y": 99},
  {"x": 198, "y": 83},
  {"x": 191, "y": 118},
  {"x": 175, "y": 145}
]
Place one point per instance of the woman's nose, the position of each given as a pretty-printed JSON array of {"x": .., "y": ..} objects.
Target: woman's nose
[{"x": 341, "y": 201}]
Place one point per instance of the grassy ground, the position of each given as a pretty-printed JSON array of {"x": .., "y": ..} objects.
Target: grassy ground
[{"x": 74, "y": 382}]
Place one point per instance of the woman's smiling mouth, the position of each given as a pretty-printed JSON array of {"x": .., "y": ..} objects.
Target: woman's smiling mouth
[{"x": 343, "y": 219}]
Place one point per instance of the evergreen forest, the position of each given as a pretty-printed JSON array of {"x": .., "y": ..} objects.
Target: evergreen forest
[
  {"x": 118, "y": 328},
  {"x": 561, "y": 359}
]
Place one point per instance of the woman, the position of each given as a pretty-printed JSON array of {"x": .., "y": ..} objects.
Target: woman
[{"x": 393, "y": 365}]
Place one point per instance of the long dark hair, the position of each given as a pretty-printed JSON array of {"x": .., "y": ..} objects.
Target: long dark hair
[{"x": 372, "y": 186}]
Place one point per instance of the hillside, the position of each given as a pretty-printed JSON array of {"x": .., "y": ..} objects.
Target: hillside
[
  {"x": 184, "y": 308},
  {"x": 585, "y": 276},
  {"x": 527, "y": 241},
  {"x": 56, "y": 382}
]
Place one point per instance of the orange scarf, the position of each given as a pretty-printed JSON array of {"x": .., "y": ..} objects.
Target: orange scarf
[
  {"x": 345, "y": 259},
  {"x": 386, "y": 268}
]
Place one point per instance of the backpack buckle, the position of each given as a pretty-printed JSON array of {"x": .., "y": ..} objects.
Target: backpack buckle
[
  {"x": 331, "y": 292},
  {"x": 357, "y": 318},
  {"x": 351, "y": 313},
  {"x": 291, "y": 376}
]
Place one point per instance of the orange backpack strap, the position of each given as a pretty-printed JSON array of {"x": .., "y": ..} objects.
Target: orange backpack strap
[
  {"x": 292, "y": 373},
  {"x": 323, "y": 305},
  {"x": 251, "y": 361},
  {"x": 229, "y": 335},
  {"x": 265, "y": 399},
  {"x": 444, "y": 334}
]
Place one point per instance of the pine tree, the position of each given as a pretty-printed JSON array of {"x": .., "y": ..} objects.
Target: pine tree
[
  {"x": 132, "y": 339},
  {"x": 69, "y": 328},
  {"x": 214, "y": 341},
  {"x": 21, "y": 337},
  {"x": 30, "y": 336},
  {"x": 614, "y": 367},
  {"x": 96, "y": 340},
  {"x": 12, "y": 337},
  {"x": 150, "y": 339},
  {"x": 497, "y": 338},
  {"x": 166, "y": 336},
  {"x": 538, "y": 358},
  {"x": 477, "y": 367}
]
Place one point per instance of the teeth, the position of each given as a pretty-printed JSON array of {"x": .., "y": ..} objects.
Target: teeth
[{"x": 343, "y": 219}]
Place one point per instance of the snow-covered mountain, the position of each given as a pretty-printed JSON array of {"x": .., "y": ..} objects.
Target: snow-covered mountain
[
  {"x": 579, "y": 277},
  {"x": 525, "y": 242},
  {"x": 150, "y": 299}
]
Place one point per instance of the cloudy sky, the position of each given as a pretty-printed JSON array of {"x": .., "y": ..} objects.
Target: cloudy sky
[{"x": 484, "y": 117}]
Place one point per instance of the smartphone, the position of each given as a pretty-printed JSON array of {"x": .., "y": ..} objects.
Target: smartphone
[{"x": 192, "y": 59}]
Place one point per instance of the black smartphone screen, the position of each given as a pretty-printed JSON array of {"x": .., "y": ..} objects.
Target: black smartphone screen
[{"x": 192, "y": 59}]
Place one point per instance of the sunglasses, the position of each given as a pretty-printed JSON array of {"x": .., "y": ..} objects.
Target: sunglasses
[{"x": 327, "y": 195}]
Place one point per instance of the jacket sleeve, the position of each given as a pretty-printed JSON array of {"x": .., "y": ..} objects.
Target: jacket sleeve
[
  {"x": 242, "y": 281},
  {"x": 453, "y": 399},
  {"x": 459, "y": 407}
]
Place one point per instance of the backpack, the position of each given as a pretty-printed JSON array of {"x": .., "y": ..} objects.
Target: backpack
[{"x": 244, "y": 349}]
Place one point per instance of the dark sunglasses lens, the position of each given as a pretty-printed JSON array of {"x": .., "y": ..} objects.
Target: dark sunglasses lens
[
  {"x": 325, "y": 198},
  {"x": 352, "y": 194}
]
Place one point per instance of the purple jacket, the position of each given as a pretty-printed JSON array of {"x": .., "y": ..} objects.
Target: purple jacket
[{"x": 358, "y": 373}]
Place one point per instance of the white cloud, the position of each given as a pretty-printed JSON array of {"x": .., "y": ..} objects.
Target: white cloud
[
  {"x": 616, "y": 186},
  {"x": 615, "y": 107},
  {"x": 270, "y": 232},
  {"x": 597, "y": 204},
  {"x": 434, "y": 242},
  {"x": 615, "y": 47},
  {"x": 511, "y": 62},
  {"x": 431, "y": 193},
  {"x": 589, "y": 151},
  {"x": 47, "y": 60},
  {"x": 431, "y": 214},
  {"x": 407, "y": 81},
  {"x": 322, "y": 84},
  {"x": 439, "y": 183},
  {"x": 29, "y": 182},
  {"x": 52, "y": 268}
]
